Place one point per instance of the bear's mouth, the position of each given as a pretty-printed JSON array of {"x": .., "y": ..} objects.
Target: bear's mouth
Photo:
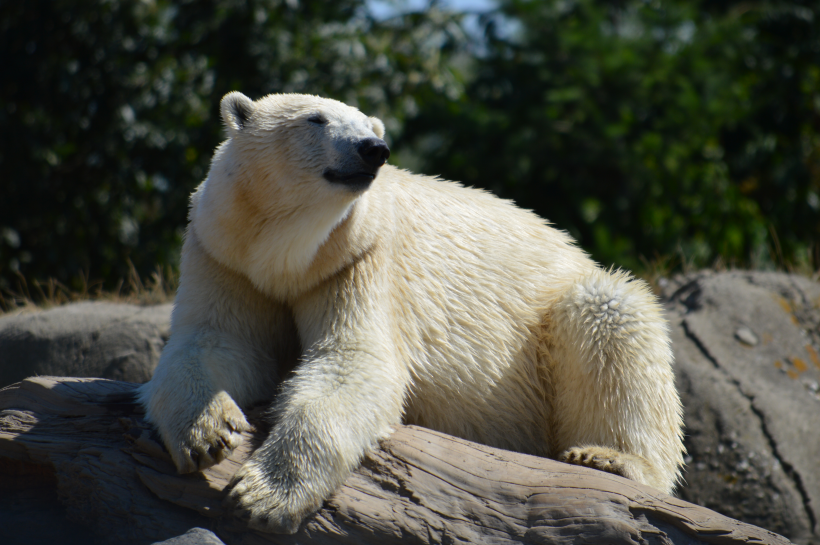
[{"x": 356, "y": 181}]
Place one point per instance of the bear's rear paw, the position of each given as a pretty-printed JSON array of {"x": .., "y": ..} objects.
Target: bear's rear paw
[
  {"x": 266, "y": 505},
  {"x": 631, "y": 466},
  {"x": 215, "y": 433}
]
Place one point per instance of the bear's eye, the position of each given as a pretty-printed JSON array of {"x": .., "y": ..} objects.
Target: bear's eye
[{"x": 318, "y": 119}]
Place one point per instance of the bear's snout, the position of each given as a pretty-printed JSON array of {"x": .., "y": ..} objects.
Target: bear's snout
[{"x": 373, "y": 151}]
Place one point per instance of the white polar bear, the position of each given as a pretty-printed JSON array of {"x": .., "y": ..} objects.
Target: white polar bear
[{"x": 366, "y": 295}]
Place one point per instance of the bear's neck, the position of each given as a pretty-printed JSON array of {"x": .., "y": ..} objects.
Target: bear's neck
[{"x": 283, "y": 255}]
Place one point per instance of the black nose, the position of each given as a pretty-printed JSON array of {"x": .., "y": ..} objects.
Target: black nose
[{"x": 374, "y": 151}]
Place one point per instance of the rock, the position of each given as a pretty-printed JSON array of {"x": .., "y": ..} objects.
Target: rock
[
  {"x": 91, "y": 339},
  {"x": 194, "y": 536},
  {"x": 31, "y": 513},
  {"x": 107, "y": 468},
  {"x": 746, "y": 336},
  {"x": 746, "y": 347}
]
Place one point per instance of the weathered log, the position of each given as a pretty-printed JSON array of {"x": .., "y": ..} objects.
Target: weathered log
[{"x": 421, "y": 486}]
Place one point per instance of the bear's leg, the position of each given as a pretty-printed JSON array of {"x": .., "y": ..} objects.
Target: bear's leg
[
  {"x": 346, "y": 395},
  {"x": 615, "y": 406},
  {"x": 199, "y": 422},
  {"x": 225, "y": 339},
  {"x": 329, "y": 415}
]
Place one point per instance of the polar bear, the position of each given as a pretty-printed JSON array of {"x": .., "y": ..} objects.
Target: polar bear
[{"x": 359, "y": 295}]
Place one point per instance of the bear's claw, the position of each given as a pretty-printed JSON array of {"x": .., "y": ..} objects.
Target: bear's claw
[
  {"x": 216, "y": 432},
  {"x": 631, "y": 466},
  {"x": 267, "y": 507},
  {"x": 604, "y": 459}
]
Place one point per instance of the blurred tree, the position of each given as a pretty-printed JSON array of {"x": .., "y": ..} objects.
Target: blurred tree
[
  {"x": 110, "y": 110},
  {"x": 645, "y": 127}
]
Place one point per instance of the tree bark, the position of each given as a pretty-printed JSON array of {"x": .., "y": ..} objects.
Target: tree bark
[{"x": 111, "y": 473}]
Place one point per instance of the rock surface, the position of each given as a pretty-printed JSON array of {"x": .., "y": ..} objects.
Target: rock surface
[
  {"x": 92, "y": 339},
  {"x": 194, "y": 536},
  {"x": 420, "y": 486},
  {"x": 746, "y": 347},
  {"x": 747, "y": 365}
]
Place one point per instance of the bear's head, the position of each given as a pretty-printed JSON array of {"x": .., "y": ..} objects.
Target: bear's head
[
  {"x": 306, "y": 136},
  {"x": 291, "y": 170}
]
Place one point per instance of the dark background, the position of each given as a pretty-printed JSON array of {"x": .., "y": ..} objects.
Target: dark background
[{"x": 661, "y": 134}]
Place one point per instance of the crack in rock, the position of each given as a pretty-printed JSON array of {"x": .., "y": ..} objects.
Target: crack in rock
[{"x": 788, "y": 469}]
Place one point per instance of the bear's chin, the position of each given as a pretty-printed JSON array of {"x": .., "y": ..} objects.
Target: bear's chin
[{"x": 354, "y": 181}]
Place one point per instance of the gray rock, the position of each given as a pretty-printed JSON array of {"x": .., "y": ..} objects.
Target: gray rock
[
  {"x": 194, "y": 536},
  {"x": 746, "y": 336},
  {"x": 747, "y": 366},
  {"x": 752, "y": 411},
  {"x": 92, "y": 339}
]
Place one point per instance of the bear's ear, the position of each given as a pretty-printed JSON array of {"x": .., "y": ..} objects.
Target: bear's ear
[
  {"x": 237, "y": 109},
  {"x": 378, "y": 126}
]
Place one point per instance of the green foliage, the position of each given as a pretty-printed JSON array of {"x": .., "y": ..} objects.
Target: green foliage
[
  {"x": 110, "y": 110},
  {"x": 643, "y": 127},
  {"x": 646, "y": 128}
]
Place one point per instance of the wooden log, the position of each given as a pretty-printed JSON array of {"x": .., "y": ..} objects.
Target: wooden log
[{"x": 111, "y": 473}]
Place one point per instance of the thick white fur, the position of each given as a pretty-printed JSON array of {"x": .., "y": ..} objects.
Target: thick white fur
[{"x": 416, "y": 299}]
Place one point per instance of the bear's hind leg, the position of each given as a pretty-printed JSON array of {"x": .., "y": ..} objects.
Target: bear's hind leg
[{"x": 615, "y": 406}]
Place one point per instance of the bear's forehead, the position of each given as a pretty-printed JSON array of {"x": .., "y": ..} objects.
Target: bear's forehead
[{"x": 297, "y": 105}]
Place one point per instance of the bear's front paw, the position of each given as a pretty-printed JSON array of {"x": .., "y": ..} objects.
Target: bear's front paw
[
  {"x": 266, "y": 504},
  {"x": 216, "y": 431},
  {"x": 631, "y": 466}
]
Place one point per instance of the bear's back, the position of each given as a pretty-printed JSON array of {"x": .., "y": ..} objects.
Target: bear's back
[{"x": 474, "y": 273}]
